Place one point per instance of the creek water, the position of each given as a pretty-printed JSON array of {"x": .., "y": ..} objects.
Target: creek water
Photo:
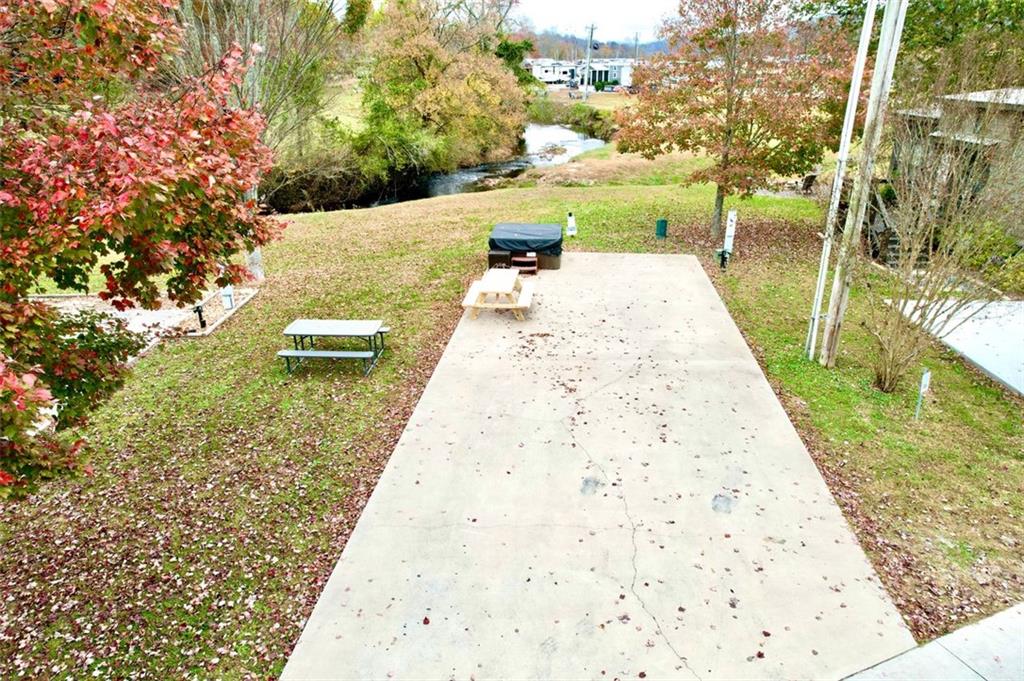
[{"x": 545, "y": 145}]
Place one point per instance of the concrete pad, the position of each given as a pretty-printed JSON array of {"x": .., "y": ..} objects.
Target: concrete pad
[
  {"x": 609, "y": 489},
  {"x": 992, "y": 649},
  {"x": 989, "y": 336},
  {"x": 927, "y": 663}
]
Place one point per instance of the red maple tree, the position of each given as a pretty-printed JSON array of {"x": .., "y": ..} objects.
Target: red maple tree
[{"x": 103, "y": 160}]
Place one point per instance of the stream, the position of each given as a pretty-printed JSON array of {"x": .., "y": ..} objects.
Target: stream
[{"x": 546, "y": 145}]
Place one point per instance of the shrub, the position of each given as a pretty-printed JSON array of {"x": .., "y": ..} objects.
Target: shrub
[
  {"x": 82, "y": 357},
  {"x": 24, "y": 455},
  {"x": 578, "y": 116}
]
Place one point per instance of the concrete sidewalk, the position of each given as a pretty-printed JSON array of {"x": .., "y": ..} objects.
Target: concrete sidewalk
[
  {"x": 610, "y": 489},
  {"x": 989, "y": 650}
]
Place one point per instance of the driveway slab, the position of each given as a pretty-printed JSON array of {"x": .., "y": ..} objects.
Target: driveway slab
[{"x": 608, "y": 490}]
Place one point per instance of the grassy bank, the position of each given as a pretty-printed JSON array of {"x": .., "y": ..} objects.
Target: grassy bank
[
  {"x": 578, "y": 116},
  {"x": 607, "y": 166},
  {"x": 938, "y": 502},
  {"x": 602, "y": 101},
  {"x": 224, "y": 490}
]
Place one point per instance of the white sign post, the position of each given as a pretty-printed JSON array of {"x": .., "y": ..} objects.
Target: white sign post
[
  {"x": 228, "y": 296},
  {"x": 730, "y": 233},
  {"x": 926, "y": 381},
  {"x": 570, "y": 226}
]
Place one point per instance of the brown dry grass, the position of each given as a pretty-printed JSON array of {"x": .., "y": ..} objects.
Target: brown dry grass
[{"x": 602, "y": 101}]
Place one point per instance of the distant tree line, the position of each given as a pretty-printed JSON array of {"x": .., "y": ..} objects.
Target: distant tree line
[{"x": 561, "y": 46}]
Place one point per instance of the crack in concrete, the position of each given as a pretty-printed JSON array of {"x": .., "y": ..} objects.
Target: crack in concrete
[
  {"x": 607, "y": 384},
  {"x": 636, "y": 549}
]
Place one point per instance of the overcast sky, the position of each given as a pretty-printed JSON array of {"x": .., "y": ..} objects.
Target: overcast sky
[{"x": 615, "y": 19}]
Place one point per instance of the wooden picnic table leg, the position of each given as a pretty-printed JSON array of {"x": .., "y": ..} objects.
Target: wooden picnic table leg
[{"x": 481, "y": 298}]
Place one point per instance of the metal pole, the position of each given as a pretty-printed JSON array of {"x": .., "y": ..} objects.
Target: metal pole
[
  {"x": 881, "y": 80},
  {"x": 590, "y": 44},
  {"x": 837, "y": 182}
]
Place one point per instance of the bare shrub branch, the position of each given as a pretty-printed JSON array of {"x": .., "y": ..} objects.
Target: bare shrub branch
[{"x": 953, "y": 199}]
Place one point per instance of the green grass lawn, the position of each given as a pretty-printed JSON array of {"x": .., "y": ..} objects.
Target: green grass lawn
[{"x": 223, "y": 490}]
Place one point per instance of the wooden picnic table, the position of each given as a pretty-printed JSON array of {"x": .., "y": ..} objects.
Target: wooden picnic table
[
  {"x": 303, "y": 330},
  {"x": 508, "y": 289},
  {"x": 500, "y": 282}
]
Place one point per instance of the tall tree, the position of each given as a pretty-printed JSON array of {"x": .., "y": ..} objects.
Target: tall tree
[
  {"x": 991, "y": 32},
  {"x": 99, "y": 161},
  {"x": 513, "y": 52},
  {"x": 743, "y": 84},
  {"x": 289, "y": 46}
]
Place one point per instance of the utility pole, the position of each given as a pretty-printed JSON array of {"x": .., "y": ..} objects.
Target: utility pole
[
  {"x": 590, "y": 44},
  {"x": 881, "y": 81},
  {"x": 636, "y": 48},
  {"x": 837, "y": 182}
]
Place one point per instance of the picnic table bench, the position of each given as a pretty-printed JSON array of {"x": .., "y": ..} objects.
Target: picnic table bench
[
  {"x": 508, "y": 290},
  {"x": 302, "y": 330}
]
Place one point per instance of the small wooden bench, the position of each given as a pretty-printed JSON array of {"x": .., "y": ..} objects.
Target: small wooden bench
[
  {"x": 472, "y": 301},
  {"x": 367, "y": 356}
]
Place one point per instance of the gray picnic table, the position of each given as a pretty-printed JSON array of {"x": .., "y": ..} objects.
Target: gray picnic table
[{"x": 302, "y": 331}]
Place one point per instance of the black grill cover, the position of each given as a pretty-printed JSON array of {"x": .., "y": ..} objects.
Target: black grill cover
[{"x": 520, "y": 238}]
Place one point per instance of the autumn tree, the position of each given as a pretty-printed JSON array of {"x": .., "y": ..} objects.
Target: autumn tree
[
  {"x": 743, "y": 84},
  {"x": 435, "y": 94},
  {"x": 100, "y": 162}
]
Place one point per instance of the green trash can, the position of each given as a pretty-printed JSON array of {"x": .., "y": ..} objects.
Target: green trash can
[{"x": 661, "y": 228}]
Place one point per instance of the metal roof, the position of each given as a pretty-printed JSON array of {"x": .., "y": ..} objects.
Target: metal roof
[
  {"x": 1010, "y": 97},
  {"x": 969, "y": 138}
]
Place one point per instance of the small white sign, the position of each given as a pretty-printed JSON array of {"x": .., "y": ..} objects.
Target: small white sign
[
  {"x": 730, "y": 231},
  {"x": 926, "y": 381},
  {"x": 570, "y": 227}
]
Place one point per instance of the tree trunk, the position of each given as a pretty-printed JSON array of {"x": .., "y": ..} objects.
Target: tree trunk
[
  {"x": 716, "y": 217},
  {"x": 254, "y": 258}
]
